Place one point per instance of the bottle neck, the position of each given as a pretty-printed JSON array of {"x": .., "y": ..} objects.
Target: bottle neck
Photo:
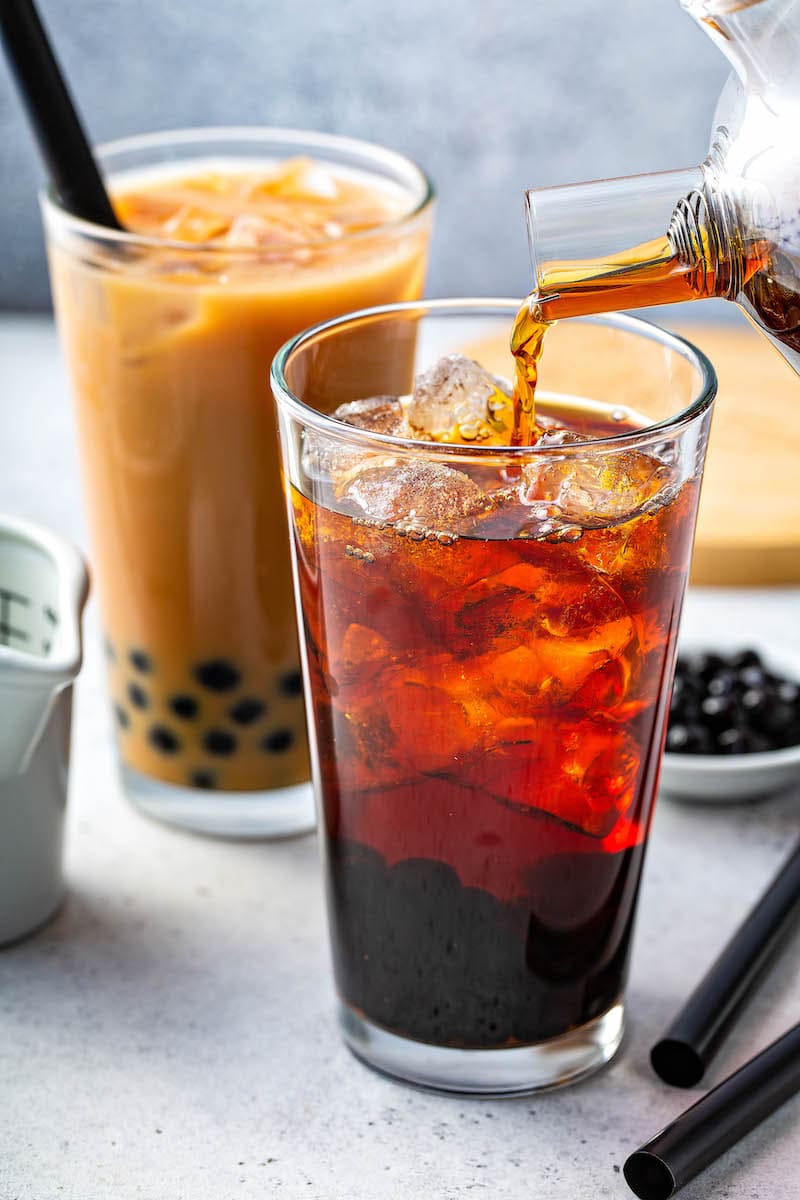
[
  {"x": 706, "y": 238},
  {"x": 634, "y": 242}
]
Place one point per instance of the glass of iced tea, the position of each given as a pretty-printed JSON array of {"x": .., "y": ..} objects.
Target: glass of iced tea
[
  {"x": 235, "y": 240},
  {"x": 489, "y": 635}
]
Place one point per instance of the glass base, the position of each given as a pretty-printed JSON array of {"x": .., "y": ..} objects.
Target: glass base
[
  {"x": 515, "y": 1072},
  {"x": 275, "y": 813}
]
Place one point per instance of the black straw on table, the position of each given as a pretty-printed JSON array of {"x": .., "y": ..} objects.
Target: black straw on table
[
  {"x": 720, "y": 1119},
  {"x": 686, "y": 1049},
  {"x": 70, "y": 163}
]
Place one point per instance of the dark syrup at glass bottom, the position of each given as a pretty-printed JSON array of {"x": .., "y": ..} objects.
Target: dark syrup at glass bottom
[{"x": 423, "y": 956}]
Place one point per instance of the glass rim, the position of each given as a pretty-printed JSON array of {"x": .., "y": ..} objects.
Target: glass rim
[
  {"x": 321, "y": 422},
  {"x": 305, "y": 140}
]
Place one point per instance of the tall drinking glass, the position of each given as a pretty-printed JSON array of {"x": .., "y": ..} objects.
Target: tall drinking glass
[
  {"x": 489, "y": 639},
  {"x": 243, "y": 237}
]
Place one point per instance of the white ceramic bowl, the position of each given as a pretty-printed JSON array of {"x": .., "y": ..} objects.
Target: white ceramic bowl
[{"x": 729, "y": 778}]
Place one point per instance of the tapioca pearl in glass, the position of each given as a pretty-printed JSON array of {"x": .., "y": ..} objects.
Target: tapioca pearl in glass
[
  {"x": 138, "y": 696},
  {"x": 162, "y": 738},
  {"x": 248, "y": 700},
  {"x": 279, "y": 741},
  {"x": 217, "y": 675},
  {"x": 290, "y": 683},
  {"x": 206, "y": 780},
  {"x": 184, "y": 706},
  {"x": 247, "y": 711},
  {"x": 219, "y": 742},
  {"x": 140, "y": 661},
  {"x": 122, "y": 717}
]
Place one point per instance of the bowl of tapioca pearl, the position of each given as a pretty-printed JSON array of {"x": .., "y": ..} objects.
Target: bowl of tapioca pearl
[{"x": 734, "y": 724}]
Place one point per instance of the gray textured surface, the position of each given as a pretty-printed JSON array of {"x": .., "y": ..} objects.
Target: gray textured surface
[
  {"x": 170, "y": 1036},
  {"x": 490, "y": 97}
]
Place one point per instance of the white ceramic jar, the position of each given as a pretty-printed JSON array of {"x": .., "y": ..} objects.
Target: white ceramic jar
[{"x": 43, "y": 589}]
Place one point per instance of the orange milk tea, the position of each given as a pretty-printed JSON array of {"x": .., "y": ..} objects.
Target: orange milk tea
[{"x": 168, "y": 340}]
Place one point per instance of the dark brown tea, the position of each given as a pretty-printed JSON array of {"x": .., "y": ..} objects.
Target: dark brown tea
[{"x": 489, "y": 654}]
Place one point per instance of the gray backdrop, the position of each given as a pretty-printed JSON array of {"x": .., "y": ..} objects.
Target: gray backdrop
[{"x": 490, "y": 97}]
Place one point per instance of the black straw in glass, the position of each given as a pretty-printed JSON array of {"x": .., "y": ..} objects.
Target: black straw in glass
[
  {"x": 686, "y": 1049},
  {"x": 717, "y": 1121},
  {"x": 70, "y": 163}
]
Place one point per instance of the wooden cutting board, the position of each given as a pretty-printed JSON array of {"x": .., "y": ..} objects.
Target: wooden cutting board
[{"x": 748, "y": 529}]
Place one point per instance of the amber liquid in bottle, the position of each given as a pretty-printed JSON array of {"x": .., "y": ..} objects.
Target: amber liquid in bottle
[{"x": 648, "y": 274}]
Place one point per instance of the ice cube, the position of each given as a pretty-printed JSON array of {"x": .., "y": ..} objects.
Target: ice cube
[
  {"x": 250, "y": 230},
  {"x": 379, "y": 414},
  {"x": 457, "y": 401},
  {"x": 597, "y": 488},
  {"x": 431, "y": 727},
  {"x": 585, "y": 776},
  {"x": 327, "y": 458},
  {"x": 302, "y": 178},
  {"x": 194, "y": 224},
  {"x": 423, "y": 498},
  {"x": 361, "y": 644}
]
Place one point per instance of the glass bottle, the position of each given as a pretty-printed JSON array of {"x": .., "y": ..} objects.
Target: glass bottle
[{"x": 728, "y": 228}]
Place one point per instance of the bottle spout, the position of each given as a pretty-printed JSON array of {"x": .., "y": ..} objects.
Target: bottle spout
[{"x": 621, "y": 243}]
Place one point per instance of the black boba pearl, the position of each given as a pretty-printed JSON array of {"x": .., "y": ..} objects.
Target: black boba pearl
[
  {"x": 718, "y": 711},
  {"x": 219, "y": 741},
  {"x": 203, "y": 779},
  {"x": 246, "y": 711},
  {"x": 721, "y": 684},
  {"x": 684, "y": 688},
  {"x": 677, "y": 739},
  {"x": 110, "y": 652},
  {"x": 689, "y": 738},
  {"x": 700, "y": 739},
  {"x": 291, "y": 683},
  {"x": 788, "y": 692},
  {"x": 791, "y": 737},
  {"x": 140, "y": 661},
  {"x": 123, "y": 720},
  {"x": 752, "y": 676},
  {"x": 777, "y": 717},
  {"x": 685, "y": 696},
  {"x": 752, "y": 702},
  {"x": 686, "y": 713},
  {"x": 733, "y": 741},
  {"x": 138, "y": 696},
  {"x": 745, "y": 658},
  {"x": 163, "y": 739},
  {"x": 702, "y": 666},
  {"x": 419, "y": 879},
  {"x": 185, "y": 707},
  {"x": 217, "y": 675},
  {"x": 278, "y": 742}
]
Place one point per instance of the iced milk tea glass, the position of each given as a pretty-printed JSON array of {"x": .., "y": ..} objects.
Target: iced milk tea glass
[
  {"x": 489, "y": 636},
  {"x": 168, "y": 343}
]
